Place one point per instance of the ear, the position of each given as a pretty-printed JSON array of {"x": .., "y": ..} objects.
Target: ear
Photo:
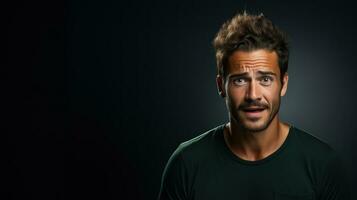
[
  {"x": 220, "y": 86},
  {"x": 284, "y": 87}
]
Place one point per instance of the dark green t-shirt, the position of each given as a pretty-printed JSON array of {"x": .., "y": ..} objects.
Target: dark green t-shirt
[{"x": 204, "y": 168}]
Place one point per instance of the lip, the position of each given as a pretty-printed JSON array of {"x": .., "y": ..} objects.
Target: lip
[
  {"x": 253, "y": 112},
  {"x": 252, "y": 109}
]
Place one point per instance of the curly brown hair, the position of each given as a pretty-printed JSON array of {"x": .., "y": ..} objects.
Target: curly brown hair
[{"x": 248, "y": 33}]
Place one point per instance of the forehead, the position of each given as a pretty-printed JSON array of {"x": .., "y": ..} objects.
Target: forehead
[{"x": 245, "y": 61}]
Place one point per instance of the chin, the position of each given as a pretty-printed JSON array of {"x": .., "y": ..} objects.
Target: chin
[
  {"x": 255, "y": 129},
  {"x": 255, "y": 126}
]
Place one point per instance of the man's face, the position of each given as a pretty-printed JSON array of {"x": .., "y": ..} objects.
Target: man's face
[{"x": 252, "y": 88}]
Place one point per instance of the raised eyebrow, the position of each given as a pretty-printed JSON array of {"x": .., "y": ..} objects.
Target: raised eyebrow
[
  {"x": 239, "y": 75},
  {"x": 266, "y": 73},
  {"x": 259, "y": 72}
]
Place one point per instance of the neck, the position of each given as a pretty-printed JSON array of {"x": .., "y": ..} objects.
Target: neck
[{"x": 253, "y": 146}]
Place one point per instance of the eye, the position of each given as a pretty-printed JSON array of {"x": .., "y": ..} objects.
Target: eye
[
  {"x": 239, "y": 81},
  {"x": 266, "y": 80}
]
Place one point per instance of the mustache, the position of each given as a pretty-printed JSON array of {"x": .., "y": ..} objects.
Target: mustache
[{"x": 257, "y": 104}]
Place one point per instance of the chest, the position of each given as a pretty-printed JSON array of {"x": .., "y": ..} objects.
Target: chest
[{"x": 231, "y": 181}]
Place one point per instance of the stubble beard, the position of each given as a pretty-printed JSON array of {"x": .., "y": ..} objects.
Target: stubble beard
[{"x": 251, "y": 128}]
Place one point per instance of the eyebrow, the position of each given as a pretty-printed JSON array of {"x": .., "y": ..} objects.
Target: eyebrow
[
  {"x": 259, "y": 72},
  {"x": 267, "y": 73}
]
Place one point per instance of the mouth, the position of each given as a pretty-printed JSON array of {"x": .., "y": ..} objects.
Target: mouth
[
  {"x": 253, "y": 112},
  {"x": 253, "y": 109}
]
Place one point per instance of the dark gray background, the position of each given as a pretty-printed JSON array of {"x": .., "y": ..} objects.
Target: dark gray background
[{"x": 104, "y": 91}]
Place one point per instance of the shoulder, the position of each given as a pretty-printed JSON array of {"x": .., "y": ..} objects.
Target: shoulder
[
  {"x": 311, "y": 145},
  {"x": 313, "y": 149},
  {"x": 182, "y": 165},
  {"x": 200, "y": 146},
  {"x": 325, "y": 164},
  {"x": 191, "y": 153}
]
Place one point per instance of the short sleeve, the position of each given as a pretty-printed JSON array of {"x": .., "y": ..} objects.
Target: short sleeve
[
  {"x": 334, "y": 184},
  {"x": 174, "y": 179}
]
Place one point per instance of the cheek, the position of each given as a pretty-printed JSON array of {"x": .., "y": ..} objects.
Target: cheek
[
  {"x": 235, "y": 95},
  {"x": 272, "y": 95}
]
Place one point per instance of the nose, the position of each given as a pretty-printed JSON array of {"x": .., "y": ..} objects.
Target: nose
[{"x": 253, "y": 92}]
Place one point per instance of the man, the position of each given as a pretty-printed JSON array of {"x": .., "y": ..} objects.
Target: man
[{"x": 255, "y": 155}]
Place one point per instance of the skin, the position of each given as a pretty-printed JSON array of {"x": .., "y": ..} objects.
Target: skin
[{"x": 252, "y": 90}]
